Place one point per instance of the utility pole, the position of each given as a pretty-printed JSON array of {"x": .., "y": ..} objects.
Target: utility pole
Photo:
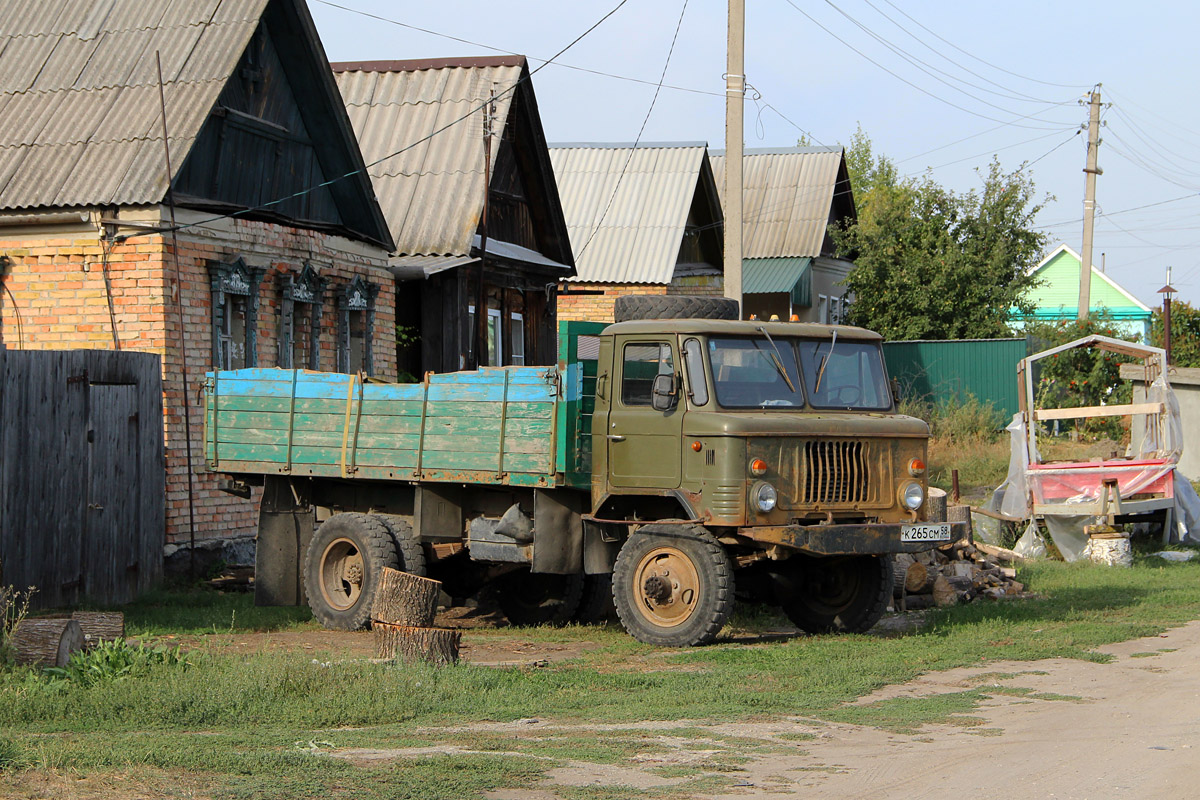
[
  {"x": 481, "y": 305},
  {"x": 735, "y": 98},
  {"x": 1089, "y": 203},
  {"x": 1166, "y": 292}
]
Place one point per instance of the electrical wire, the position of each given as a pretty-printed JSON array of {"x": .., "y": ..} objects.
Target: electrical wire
[
  {"x": 461, "y": 40},
  {"x": 637, "y": 141},
  {"x": 300, "y": 193},
  {"x": 902, "y": 79},
  {"x": 977, "y": 58},
  {"x": 1078, "y": 220},
  {"x": 974, "y": 135},
  {"x": 1005, "y": 147}
]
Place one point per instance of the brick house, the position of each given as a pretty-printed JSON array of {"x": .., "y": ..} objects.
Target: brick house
[
  {"x": 465, "y": 182},
  {"x": 278, "y": 264},
  {"x": 644, "y": 220}
]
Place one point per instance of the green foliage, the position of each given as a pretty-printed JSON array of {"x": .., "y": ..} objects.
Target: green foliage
[
  {"x": 934, "y": 264},
  {"x": 1185, "y": 333},
  {"x": 1080, "y": 377},
  {"x": 115, "y": 660},
  {"x": 12, "y": 755},
  {"x": 204, "y": 610},
  {"x": 955, "y": 418}
]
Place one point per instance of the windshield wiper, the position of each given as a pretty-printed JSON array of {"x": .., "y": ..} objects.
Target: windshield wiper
[
  {"x": 825, "y": 363},
  {"x": 778, "y": 361}
]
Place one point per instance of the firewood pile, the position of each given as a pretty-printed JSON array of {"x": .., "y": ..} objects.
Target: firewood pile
[{"x": 960, "y": 572}]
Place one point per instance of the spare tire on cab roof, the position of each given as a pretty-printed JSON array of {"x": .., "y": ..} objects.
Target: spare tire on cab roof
[{"x": 674, "y": 306}]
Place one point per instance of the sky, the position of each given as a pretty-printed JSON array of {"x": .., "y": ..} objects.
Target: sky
[{"x": 938, "y": 86}]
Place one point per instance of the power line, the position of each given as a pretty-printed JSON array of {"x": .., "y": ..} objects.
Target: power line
[
  {"x": 494, "y": 49},
  {"x": 641, "y": 130},
  {"x": 977, "y": 58},
  {"x": 904, "y": 80},
  {"x": 351, "y": 173},
  {"x": 1005, "y": 147},
  {"x": 1122, "y": 211},
  {"x": 926, "y": 67},
  {"x": 975, "y": 135}
]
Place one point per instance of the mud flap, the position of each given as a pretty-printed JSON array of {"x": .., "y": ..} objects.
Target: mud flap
[
  {"x": 557, "y": 531},
  {"x": 285, "y": 528}
]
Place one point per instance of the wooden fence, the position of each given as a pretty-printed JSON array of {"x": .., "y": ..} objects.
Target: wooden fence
[{"x": 82, "y": 479}]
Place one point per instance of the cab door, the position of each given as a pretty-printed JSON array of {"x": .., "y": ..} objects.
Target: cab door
[{"x": 644, "y": 449}]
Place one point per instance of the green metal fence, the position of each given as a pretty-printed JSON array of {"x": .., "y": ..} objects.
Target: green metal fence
[{"x": 940, "y": 370}]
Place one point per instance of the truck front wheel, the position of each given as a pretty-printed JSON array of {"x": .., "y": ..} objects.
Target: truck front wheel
[
  {"x": 673, "y": 585},
  {"x": 343, "y": 566},
  {"x": 835, "y": 595}
]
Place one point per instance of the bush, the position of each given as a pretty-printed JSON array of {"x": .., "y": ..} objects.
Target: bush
[
  {"x": 114, "y": 660},
  {"x": 956, "y": 418}
]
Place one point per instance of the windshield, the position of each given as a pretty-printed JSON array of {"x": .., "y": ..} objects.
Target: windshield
[
  {"x": 852, "y": 376},
  {"x": 745, "y": 374}
]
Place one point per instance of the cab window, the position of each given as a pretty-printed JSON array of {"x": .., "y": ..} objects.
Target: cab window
[{"x": 642, "y": 363}]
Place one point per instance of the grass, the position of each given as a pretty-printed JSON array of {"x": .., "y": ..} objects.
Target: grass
[{"x": 262, "y": 724}]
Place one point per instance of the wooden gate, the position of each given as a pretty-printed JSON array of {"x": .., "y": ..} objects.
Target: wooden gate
[{"x": 81, "y": 474}]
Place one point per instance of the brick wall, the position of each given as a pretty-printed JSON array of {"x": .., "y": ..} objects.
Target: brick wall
[
  {"x": 599, "y": 307},
  {"x": 69, "y": 292}
]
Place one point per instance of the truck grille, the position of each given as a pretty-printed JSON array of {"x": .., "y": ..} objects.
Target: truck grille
[{"x": 835, "y": 472}]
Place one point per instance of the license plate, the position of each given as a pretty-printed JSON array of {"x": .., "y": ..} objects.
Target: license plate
[{"x": 927, "y": 532}]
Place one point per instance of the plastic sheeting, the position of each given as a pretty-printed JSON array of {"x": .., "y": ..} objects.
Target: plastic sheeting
[
  {"x": 1011, "y": 498},
  {"x": 1163, "y": 437}
]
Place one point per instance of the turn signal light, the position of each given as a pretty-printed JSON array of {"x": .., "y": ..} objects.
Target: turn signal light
[
  {"x": 758, "y": 467},
  {"x": 794, "y": 318},
  {"x": 916, "y": 467},
  {"x": 697, "y": 446}
]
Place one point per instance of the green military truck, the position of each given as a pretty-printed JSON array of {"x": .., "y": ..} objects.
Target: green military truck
[{"x": 692, "y": 460}]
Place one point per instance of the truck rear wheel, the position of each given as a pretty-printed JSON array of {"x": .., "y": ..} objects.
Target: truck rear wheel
[
  {"x": 673, "y": 585},
  {"x": 343, "y": 566},
  {"x": 408, "y": 547},
  {"x": 835, "y": 595}
]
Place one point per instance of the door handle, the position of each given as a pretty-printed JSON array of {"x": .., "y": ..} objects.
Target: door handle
[{"x": 616, "y": 437}]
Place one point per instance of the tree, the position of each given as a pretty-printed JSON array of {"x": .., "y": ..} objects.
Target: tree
[
  {"x": 1185, "y": 333},
  {"x": 934, "y": 264}
]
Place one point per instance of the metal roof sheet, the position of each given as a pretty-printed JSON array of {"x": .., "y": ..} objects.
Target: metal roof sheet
[
  {"x": 79, "y": 93},
  {"x": 788, "y": 198},
  {"x": 427, "y": 165},
  {"x": 632, "y": 236},
  {"x": 766, "y": 275}
]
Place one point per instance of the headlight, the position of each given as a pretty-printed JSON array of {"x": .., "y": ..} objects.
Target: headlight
[
  {"x": 912, "y": 495},
  {"x": 764, "y": 496}
]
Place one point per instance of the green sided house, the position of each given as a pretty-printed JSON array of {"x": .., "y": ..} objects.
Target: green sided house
[{"x": 1057, "y": 297}]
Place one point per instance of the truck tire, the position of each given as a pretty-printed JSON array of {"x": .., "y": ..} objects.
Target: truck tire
[
  {"x": 529, "y": 599},
  {"x": 596, "y": 606},
  {"x": 836, "y": 595},
  {"x": 408, "y": 547},
  {"x": 343, "y": 566},
  {"x": 673, "y": 306},
  {"x": 673, "y": 585}
]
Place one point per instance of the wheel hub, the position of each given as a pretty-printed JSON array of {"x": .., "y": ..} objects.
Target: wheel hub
[
  {"x": 668, "y": 587},
  {"x": 342, "y": 574}
]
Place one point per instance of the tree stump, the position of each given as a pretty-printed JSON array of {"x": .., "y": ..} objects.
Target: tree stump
[
  {"x": 916, "y": 578},
  {"x": 100, "y": 626},
  {"x": 433, "y": 645},
  {"x": 46, "y": 642},
  {"x": 935, "y": 510},
  {"x": 405, "y": 599}
]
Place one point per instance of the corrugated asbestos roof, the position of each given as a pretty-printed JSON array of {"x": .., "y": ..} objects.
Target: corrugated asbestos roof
[
  {"x": 788, "y": 195},
  {"x": 432, "y": 190},
  {"x": 766, "y": 275},
  {"x": 639, "y": 239},
  {"x": 79, "y": 93}
]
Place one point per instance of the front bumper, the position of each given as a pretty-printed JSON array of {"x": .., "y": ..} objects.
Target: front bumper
[{"x": 857, "y": 539}]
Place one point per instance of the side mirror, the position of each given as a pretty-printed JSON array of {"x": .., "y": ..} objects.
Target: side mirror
[{"x": 662, "y": 395}]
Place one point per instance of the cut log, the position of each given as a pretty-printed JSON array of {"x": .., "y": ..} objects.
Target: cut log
[
  {"x": 46, "y": 642},
  {"x": 949, "y": 590},
  {"x": 1000, "y": 553},
  {"x": 935, "y": 509},
  {"x": 434, "y": 645},
  {"x": 919, "y": 602},
  {"x": 901, "y": 564},
  {"x": 100, "y": 626},
  {"x": 916, "y": 579},
  {"x": 406, "y": 599}
]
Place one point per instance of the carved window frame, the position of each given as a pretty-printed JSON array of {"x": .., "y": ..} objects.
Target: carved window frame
[
  {"x": 234, "y": 278},
  {"x": 357, "y": 297},
  {"x": 307, "y": 289}
]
